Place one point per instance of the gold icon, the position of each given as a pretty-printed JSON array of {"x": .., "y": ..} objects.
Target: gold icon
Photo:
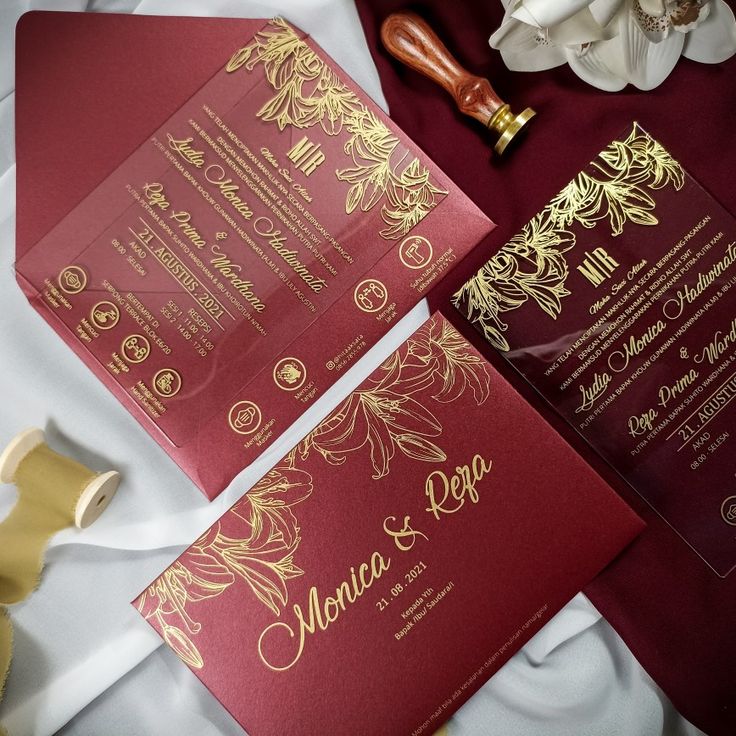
[
  {"x": 72, "y": 279},
  {"x": 135, "y": 348},
  {"x": 167, "y": 383},
  {"x": 728, "y": 510},
  {"x": 244, "y": 417},
  {"x": 289, "y": 374},
  {"x": 415, "y": 251},
  {"x": 370, "y": 295},
  {"x": 105, "y": 315}
]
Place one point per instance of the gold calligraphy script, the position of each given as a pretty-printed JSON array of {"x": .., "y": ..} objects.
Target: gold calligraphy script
[
  {"x": 321, "y": 612},
  {"x": 382, "y": 419}
]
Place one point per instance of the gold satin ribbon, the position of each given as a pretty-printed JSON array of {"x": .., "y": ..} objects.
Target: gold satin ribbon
[
  {"x": 49, "y": 487},
  {"x": 6, "y": 648}
]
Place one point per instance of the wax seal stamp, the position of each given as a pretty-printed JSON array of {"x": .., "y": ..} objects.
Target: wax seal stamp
[{"x": 407, "y": 37}]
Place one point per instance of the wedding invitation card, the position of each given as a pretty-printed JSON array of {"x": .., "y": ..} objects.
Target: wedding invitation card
[
  {"x": 248, "y": 252},
  {"x": 385, "y": 568},
  {"x": 617, "y": 303}
]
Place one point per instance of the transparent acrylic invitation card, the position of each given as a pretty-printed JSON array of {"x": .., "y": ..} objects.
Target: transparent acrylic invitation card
[
  {"x": 247, "y": 253},
  {"x": 617, "y": 302}
]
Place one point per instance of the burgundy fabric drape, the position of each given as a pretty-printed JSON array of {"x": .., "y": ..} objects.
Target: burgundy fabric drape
[{"x": 676, "y": 616}]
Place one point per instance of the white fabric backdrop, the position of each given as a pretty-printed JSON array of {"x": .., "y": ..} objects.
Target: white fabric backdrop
[{"x": 84, "y": 662}]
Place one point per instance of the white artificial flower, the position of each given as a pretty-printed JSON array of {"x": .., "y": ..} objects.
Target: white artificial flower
[{"x": 612, "y": 43}]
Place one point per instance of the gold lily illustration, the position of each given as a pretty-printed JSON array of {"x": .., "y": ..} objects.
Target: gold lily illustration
[
  {"x": 532, "y": 264},
  {"x": 382, "y": 420},
  {"x": 264, "y": 559},
  {"x": 257, "y": 540},
  {"x": 411, "y": 196},
  {"x": 456, "y": 369},
  {"x": 385, "y": 418},
  {"x": 307, "y": 93},
  {"x": 371, "y": 147}
]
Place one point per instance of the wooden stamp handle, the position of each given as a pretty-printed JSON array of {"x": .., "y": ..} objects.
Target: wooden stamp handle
[{"x": 408, "y": 37}]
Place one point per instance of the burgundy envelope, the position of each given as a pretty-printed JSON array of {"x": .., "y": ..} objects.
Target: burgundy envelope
[
  {"x": 124, "y": 75},
  {"x": 672, "y": 611},
  {"x": 388, "y": 565},
  {"x": 217, "y": 244}
]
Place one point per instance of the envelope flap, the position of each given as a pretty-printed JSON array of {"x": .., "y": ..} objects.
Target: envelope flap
[{"x": 90, "y": 88}]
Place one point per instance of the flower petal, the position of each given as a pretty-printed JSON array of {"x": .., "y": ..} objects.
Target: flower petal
[
  {"x": 595, "y": 66},
  {"x": 544, "y": 14},
  {"x": 653, "y": 7},
  {"x": 604, "y": 10},
  {"x": 281, "y": 486},
  {"x": 410, "y": 416},
  {"x": 208, "y": 577},
  {"x": 419, "y": 448},
  {"x": 346, "y": 429},
  {"x": 580, "y": 29},
  {"x": 382, "y": 445},
  {"x": 687, "y": 17},
  {"x": 715, "y": 40},
  {"x": 648, "y": 64},
  {"x": 183, "y": 646},
  {"x": 522, "y": 50}
]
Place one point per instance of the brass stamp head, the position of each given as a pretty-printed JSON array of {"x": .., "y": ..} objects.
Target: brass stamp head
[{"x": 507, "y": 125}]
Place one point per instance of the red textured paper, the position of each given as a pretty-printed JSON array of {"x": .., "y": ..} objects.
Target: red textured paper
[
  {"x": 223, "y": 355},
  {"x": 508, "y": 553}
]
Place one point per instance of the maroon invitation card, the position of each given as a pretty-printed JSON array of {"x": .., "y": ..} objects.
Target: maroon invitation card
[
  {"x": 249, "y": 251},
  {"x": 617, "y": 303},
  {"x": 395, "y": 558}
]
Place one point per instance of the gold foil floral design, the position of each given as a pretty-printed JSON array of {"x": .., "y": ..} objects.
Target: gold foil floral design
[
  {"x": 307, "y": 93},
  {"x": 410, "y": 196},
  {"x": 385, "y": 417},
  {"x": 263, "y": 559},
  {"x": 532, "y": 265},
  {"x": 383, "y": 420}
]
